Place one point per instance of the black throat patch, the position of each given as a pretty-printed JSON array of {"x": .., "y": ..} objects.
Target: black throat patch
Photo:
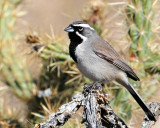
[{"x": 75, "y": 41}]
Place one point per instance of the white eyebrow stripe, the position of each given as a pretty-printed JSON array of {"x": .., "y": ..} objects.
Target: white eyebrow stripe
[
  {"x": 84, "y": 25},
  {"x": 81, "y": 36}
]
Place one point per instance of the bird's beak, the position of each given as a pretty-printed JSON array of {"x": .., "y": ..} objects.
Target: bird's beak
[{"x": 69, "y": 29}]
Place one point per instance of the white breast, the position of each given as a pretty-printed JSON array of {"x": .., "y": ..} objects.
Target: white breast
[{"x": 92, "y": 66}]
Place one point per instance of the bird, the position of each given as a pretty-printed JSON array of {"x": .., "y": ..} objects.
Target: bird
[{"x": 97, "y": 60}]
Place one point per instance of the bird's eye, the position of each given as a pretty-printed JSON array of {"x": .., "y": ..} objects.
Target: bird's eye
[{"x": 80, "y": 28}]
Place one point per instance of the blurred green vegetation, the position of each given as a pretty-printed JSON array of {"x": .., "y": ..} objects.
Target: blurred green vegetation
[
  {"x": 14, "y": 71},
  {"x": 59, "y": 72}
]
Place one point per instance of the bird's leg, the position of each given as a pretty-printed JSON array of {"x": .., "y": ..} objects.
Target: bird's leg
[
  {"x": 98, "y": 82},
  {"x": 89, "y": 87}
]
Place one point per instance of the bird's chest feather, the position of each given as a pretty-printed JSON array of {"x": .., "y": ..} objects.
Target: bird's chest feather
[
  {"x": 85, "y": 54},
  {"x": 80, "y": 52},
  {"x": 93, "y": 66},
  {"x": 89, "y": 63}
]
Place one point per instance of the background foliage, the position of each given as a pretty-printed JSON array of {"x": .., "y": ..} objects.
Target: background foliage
[{"x": 25, "y": 107}]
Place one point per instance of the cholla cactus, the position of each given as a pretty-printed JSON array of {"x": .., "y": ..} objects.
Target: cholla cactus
[
  {"x": 15, "y": 73},
  {"x": 152, "y": 65},
  {"x": 93, "y": 13},
  {"x": 139, "y": 19},
  {"x": 13, "y": 68},
  {"x": 59, "y": 71}
]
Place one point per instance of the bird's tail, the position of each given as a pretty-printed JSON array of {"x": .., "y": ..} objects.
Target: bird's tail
[{"x": 140, "y": 102}]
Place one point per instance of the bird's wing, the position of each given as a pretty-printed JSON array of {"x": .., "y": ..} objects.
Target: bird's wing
[{"x": 105, "y": 51}]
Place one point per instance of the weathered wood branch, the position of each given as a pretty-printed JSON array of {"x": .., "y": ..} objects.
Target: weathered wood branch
[
  {"x": 155, "y": 108},
  {"x": 97, "y": 112}
]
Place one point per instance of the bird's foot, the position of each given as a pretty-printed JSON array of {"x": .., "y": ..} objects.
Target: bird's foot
[
  {"x": 90, "y": 87},
  {"x": 98, "y": 82}
]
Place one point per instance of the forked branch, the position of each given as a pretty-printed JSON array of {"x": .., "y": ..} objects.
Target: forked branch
[{"x": 97, "y": 112}]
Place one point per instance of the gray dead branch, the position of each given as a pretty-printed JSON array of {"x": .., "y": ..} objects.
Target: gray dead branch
[
  {"x": 97, "y": 112},
  {"x": 155, "y": 108}
]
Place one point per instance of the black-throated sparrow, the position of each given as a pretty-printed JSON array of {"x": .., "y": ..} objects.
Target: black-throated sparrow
[{"x": 97, "y": 60}]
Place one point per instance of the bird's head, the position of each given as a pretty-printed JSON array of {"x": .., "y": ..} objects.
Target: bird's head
[{"x": 81, "y": 30}]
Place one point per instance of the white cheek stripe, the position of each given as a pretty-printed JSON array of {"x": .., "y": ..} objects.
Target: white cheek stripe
[
  {"x": 84, "y": 25},
  {"x": 81, "y": 36}
]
